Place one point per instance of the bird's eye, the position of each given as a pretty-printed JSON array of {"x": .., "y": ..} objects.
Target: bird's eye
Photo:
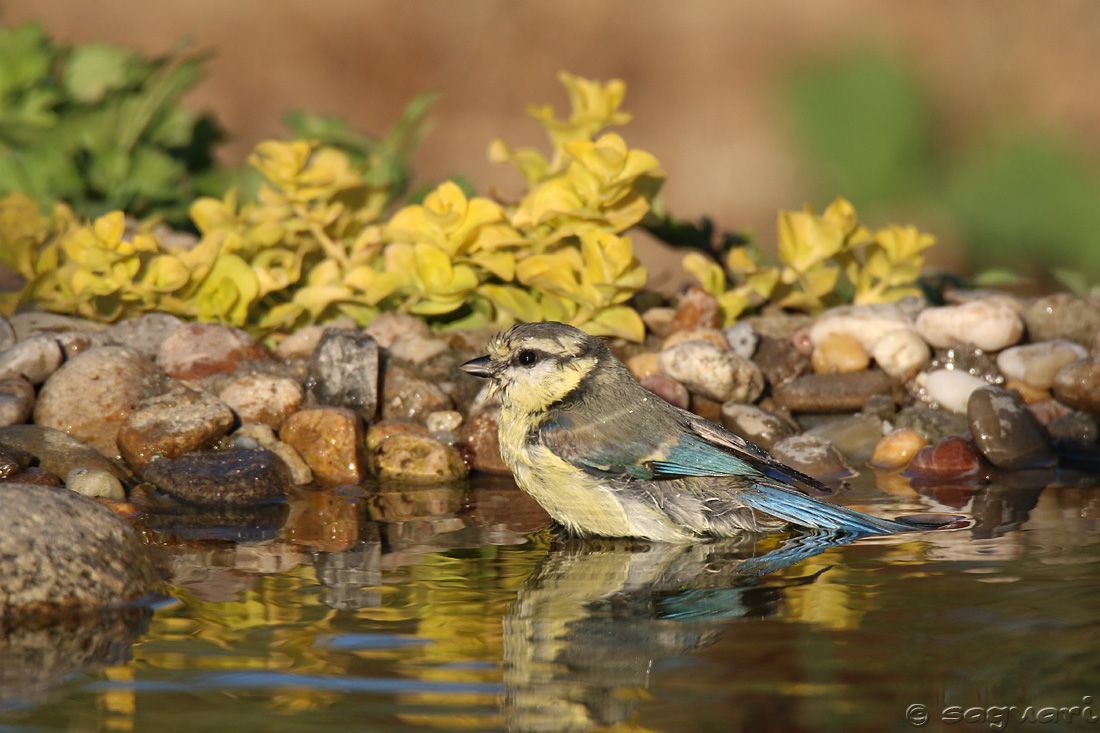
[{"x": 527, "y": 357}]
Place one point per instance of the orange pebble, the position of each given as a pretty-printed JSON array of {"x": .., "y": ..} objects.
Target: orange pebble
[
  {"x": 840, "y": 353},
  {"x": 895, "y": 449}
]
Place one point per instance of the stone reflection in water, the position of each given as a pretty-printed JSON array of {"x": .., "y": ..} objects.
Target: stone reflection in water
[
  {"x": 37, "y": 657},
  {"x": 589, "y": 624},
  {"x": 352, "y": 577}
]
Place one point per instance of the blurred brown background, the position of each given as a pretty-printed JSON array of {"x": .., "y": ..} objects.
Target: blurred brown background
[{"x": 704, "y": 79}]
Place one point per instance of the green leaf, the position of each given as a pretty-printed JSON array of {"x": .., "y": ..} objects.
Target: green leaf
[{"x": 98, "y": 68}]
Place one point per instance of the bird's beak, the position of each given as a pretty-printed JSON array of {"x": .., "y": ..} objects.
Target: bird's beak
[{"x": 479, "y": 367}]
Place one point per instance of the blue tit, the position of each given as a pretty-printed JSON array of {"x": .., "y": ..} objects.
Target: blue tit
[{"x": 606, "y": 457}]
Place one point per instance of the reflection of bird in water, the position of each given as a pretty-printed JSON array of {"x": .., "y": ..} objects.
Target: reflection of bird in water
[{"x": 588, "y": 625}]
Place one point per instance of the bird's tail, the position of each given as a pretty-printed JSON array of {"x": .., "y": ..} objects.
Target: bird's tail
[{"x": 797, "y": 508}]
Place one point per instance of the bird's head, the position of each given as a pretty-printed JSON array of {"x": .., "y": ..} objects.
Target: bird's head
[{"x": 535, "y": 365}]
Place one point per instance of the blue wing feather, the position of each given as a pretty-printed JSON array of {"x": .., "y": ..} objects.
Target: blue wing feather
[
  {"x": 797, "y": 508},
  {"x": 693, "y": 456}
]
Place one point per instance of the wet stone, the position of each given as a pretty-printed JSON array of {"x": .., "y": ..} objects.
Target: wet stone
[
  {"x": 780, "y": 361},
  {"x": 408, "y": 395},
  {"x": 835, "y": 392},
  {"x": 38, "y": 476},
  {"x": 330, "y": 441},
  {"x": 343, "y": 372},
  {"x": 91, "y": 396},
  {"x": 479, "y": 433},
  {"x": 932, "y": 424},
  {"x": 55, "y": 451},
  {"x": 990, "y": 324},
  {"x": 16, "y": 401},
  {"x": 417, "y": 459},
  {"x": 668, "y": 389},
  {"x": 181, "y": 420},
  {"x": 35, "y": 359},
  {"x": 255, "y": 435},
  {"x": 813, "y": 456},
  {"x": 95, "y": 483},
  {"x": 711, "y": 372},
  {"x": 754, "y": 424},
  {"x": 1036, "y": 364},
  {"x": 12, "y": 461},
  {"x": 443, "y": 421},
  {"x": 853, "y": 436},
  {"x": 88, "y": 558},
  {"x": 897, "y": 448},
  {"x": 711, "y": 335},
  {"x": 199, "y": 350},
  {"x": 144, "y": 334},
  {"x": 262, "y": 398},
  {"x": 1076, "y": 427},
  {"x": 238, "y": 476},
  {"x": 1078, "y": 385},
  {"x": 658, "y": 321},
  {"x": 1049, "y": 410},
  {"x": 1062, "y": 316},
  {"x": 948, "y": 461},
  {"x": 75, "y": 343},
  {"x": 865, "y": 323},
  {"x": 950, "y": 389},
  {"x": 1006, "y": 432}
]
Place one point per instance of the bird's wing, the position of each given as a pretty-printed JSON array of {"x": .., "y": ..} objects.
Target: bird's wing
[{"x": 599, "y": 450}]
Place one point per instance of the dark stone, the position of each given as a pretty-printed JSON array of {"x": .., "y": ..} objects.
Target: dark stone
[
  {"x": 238, "y": 476},
  {"x": 1078, "y": 385},
  {"x": 1062, "y": 316},
  {"x": 1005, "y": 431},
  {"x": 813, "y": 456},
  {"x": 933, "y": 425},
  {"x": 57, "y": 452},
  {"x": 144, "y": 334},
  {"x": 343, "y": 372},
  {"x": 179, "y": 421},
  {"x": 1076, "y": 427},
  {"x": 12, "y": 461},
  {"x": 756, "y": 425},
  {"x": 780, "y": 361},
  {"x": 836, "y": 392}
]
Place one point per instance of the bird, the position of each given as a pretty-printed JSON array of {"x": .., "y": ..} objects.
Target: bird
[{"x": 605, "y": 457}]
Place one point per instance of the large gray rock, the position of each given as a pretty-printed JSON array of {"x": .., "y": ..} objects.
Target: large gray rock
[
  {"x": 1006, "y": 432},
  {"x": 61, "y": 551},
  {"x": 343, "y": 371}
]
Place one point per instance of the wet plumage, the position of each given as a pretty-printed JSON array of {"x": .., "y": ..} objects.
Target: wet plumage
[{"x": 604, "y": 456}]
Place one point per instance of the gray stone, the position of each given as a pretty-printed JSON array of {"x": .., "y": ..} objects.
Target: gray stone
[
  {"x": 144, "y": 334},
  {"x": 16, "y": 401},
  {"x": 1006, "y": 432},
  {"x": 262, "y": 398},
  {"x": 61, "y": 551},
  {"x": 392, "y": 325},
  {"x": 237, "y": 476},
  {"x": 1076, "y": 427},
  {"x": 57, "y": 452},
  {"x": 1078, "y": 385},
  {"x": 813, "y": 456},
  {"x": 35, "y": 359},
  {"x": 754, "y": 424},
  {"x": 405, "y": 394},
  {"x": 853, "y": 436},
  {"x": 95, "y": 483},
  {"x": 29, "y": 324},
  {"x": 343, "y": 372},
  {"x": 1062, "y": 316},
  {"x": 933, "y": 425},
  {"x": 780, "y": 360},
  {"x": 178, "y": 421},
  {"x": 711, "y": 372},
  {"x": 836, "y": 392}
]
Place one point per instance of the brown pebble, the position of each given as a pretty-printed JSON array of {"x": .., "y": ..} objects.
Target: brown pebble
[
  {"x": 329, "y": 439},
  {"x": 713, "y": 335},
  {"x": 668, "y": 389},
  {"x": 840, "y": 353},
  {"x": 696, "y": 309},
  {"x": 198, "y": 350},
  {"x": 1028, "y": 393},
  {"x": 896, "y": 449},
  {"x": 642, "y": 365},
  {"x": 479, "y": 433}
]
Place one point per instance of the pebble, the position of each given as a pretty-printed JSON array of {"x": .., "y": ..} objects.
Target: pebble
[
  {"x": 198, "y": 350},
  {"x": 755, "y": 424},
  {"x": 7, "y": 334},
  {"x": 392, "y": 325},
  {"x": 931, "y": 424},
  {"x": 238, "y": 476},
  {"x": 343, "y": 372},
  {"x": 950, "y": 388},
  {"x": 778, "y": 325},
  {"x": 668, "y": 389},
  {"x": 780, "y": 360},
  {"x": 854, "y": 436},
  {"x": 952, "y": 460},
  {"x": 29, "y": 324},
  {"x": 643, "y": 365},
  {"x": 1027, "y": 393},
  {"x": 742, "y": 339},
  {"x": 696, "y": 309},
  {"x": 180, "y": 420},
  {"x": 706, "y": 369},
  {"x": 1006, "y": 432},
  {"x": 418, "y": 458},
  {"x": 34, "y": 360},
  {"x": 866, "y": 323},
  {"x": 1049, "y": 410},
  {"x": 989, "y": 324},
  {"x": 61, "y": 551},
  {"x": 302, "y": 343},
  {"x": 839, "y": 353},
  {"x": 55, "y": 451},
  {"x": 900, "y": 353},
  {"x": 417, "y": 348},
  {"x": 75, "y": 343},
  {"x": 1063, "y": 316},
  {"x": 1036, "y": 364},
  {"x": 329, "y": 440},
  {"x": 16, "y": 401},
  {"x": 95, "y": 483},
  {"x": 658, "y": 321},
  {"x": 91, "y": 396},
  {"x": 479, "y": 433},
  {"x": 443, "y": 421},
  {"x": 38, "y": 476},
  {"x": 711, "y": 335},
  {"x": 254, "y": 435},
  {"x": 1076, "y": 427},
  {"x": 1078, "y": 385},
  {"x": 813, "y": 456},
  {"x": 835, "y": 392},
  {"x": 12, "y": 461},
  {"x": 405, "y": 394},
  {"x": 144, "y": 334},
  {"x": 262, "y": 398},
  {"x": 896, "y": 449}
]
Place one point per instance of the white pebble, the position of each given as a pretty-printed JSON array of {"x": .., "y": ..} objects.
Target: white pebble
[
  {"x": 417, "y": 348},
  {"x": 712, "y": 372},
  {"x": 742, "y": 339},
  {"x": 989, "y": 324},
  {"x": 36, "y": 359},
  {"x": 443, "y": 420},
  {"x": 96, "y": 483},
  {"x": 951, "y": 388},
  {"x": 867, "y": 323},
  {"x": 900, "y": 352},
  {"x": 1036, "y": 364}
]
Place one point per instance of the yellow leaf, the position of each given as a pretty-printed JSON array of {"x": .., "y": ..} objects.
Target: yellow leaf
[
  {"x": 706, "y": 271},
  {"x": 618, "y": 321},
  {"x": 806, "y": 239},
  {"x": 166, "y": 274},
  {"x": 514, "y": 301},
  {"x": 433, "y": 267},
  {"x": 109, "y": 228}
]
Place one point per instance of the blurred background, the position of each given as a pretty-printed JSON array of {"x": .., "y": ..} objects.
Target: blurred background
[{"x": 977, "y": 122}]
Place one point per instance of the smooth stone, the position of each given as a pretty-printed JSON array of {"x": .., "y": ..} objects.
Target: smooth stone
[
  {"x": 969, "y": 359},
  {"x": 711, "y": 372},
  {"x": 91, "y": 396},
  {"x": 642, "y": 365},
  {"x": 75, "y": 343},
  {"x": 7, "y": 334},
  {"x": 1036, "y": 364},
  {"x": 144, "y": 334},
  {"x": 1006, "y": 432},
  {"x": 238, "y": 476},
  {"x": 658, "y": 321},
  {"x": 948, "y": 461},
  {"x": 383, "y": 430},
  {"x": 755, "y": 424},
  {"x": 813, "y": 456},
  {"x": 839, "y": 353},
  {"x": 950, "y": 388},
  {"x": 989, "y": 324},
  {"x": 711, "y": 335},
  {"x": 776, "y": 324},
  {"x": 12, "y": 461},
  {"x": 1063, "y": 316},
  {"x": 853, "y": 436},
  {"x": 1078, "y": 385},
  {"x": 880, "y": 406},
  {"x": 801, "y": 341},
  {"x": 897, "y": 448},
  {"x": 932, "y": 424},
  {"x": 256, "y": 435},
  {"x": 36, "y": 475},
  {"x": 742, "y": 339},
  {"x": 392, "y": 325},
  {"x": 56, "y": 451},
  {"x": 900, "y": 353},
  {"x": 181, "y": 420},
  {"x": 480, "y": 434},
  {"x": 405, "y": 394},
  {"x": 1049, "y": 410},
  {"x": 1077, "y": 427},
  {"x": 61, "y": 551},
  {"x": 16, "y": 401},
  {"x": 443, "y": 421},
  {"x": 696, "y": 309},
  {"x": 780, "y": 360},
  {"x": 34, "y": 360},
  {"x": 417, "y": 459},
  {"x": 866, "y": 323},
  {"x": 668, "y": 389},
  {"x": 416, "y": 348},
  {"x": 343, "y": 372},
  {"x": 835, "y": 392},
  {"x": 198, "y": 350},
  {"x": 29, "y": 324},
  {"x": 262, "y": 398},
  {"x": 330, "y": 441},
  {"x": 1027, "y": 393},
  {"x": 95, "y": 483}
]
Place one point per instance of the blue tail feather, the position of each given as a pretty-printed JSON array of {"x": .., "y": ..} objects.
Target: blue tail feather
[{"x": 805, "y": 511}]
